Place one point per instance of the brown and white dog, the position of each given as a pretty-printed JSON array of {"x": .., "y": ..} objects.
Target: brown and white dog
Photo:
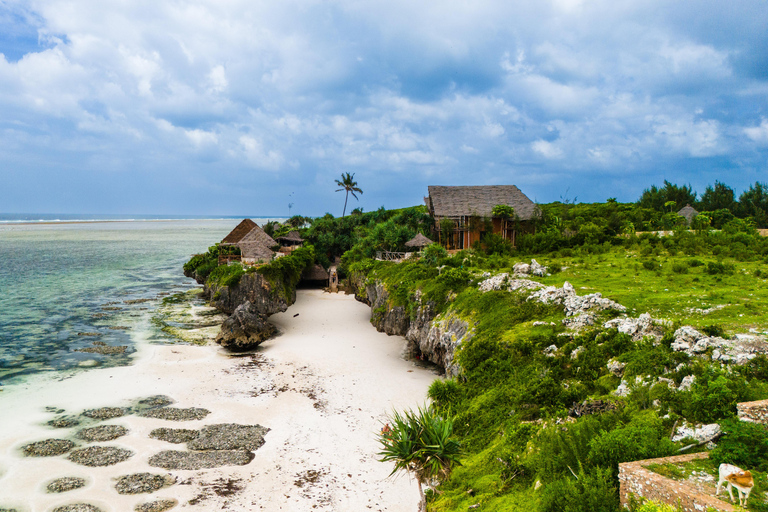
[{"x": 738, "y": 478}]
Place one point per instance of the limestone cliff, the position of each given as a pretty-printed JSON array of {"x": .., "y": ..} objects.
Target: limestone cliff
[
  {"x": 249, "y": 302},
  {"x": 433, "y": 337}
]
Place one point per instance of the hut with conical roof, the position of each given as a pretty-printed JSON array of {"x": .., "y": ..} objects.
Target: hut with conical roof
[
  {"x": 418, "y": 242},
  {"x": 688, "y": 212},
  {"x": 237, "y": 234}
]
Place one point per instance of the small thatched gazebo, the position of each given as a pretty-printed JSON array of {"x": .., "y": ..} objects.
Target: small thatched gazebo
[
  {"x": 688, "y": 213},
  {"x": 418, "y": 242}
]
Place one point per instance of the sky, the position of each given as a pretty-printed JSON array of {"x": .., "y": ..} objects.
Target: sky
[{"x": 228, "y": 107}]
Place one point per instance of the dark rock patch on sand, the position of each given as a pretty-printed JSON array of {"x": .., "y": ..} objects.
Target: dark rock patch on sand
[
  {"x": 176, "y": 414},
  {"x": 174, "y": 435},
  {"x": 95, "y": 456},
  {"x": 78, "y": 507},
  {"x": 64, "y": 422},
  {"x": 102, "y": 433},
  {"x": 229, "y": 436},
  {"x": 105, "y": 413},
  {"x": 156, "y": 506},
  {"x": 48, "y": 448},
  {"x": 65, "y": 484},
  {"x": 155, "y": 401},
  {"x": 143, "y": 483},
  {"x": 173, "y": 459}
]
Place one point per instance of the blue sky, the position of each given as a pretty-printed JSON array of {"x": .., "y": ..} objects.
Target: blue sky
[{"x": 243, "y": 106}]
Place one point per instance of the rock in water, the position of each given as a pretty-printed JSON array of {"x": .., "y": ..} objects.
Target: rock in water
[{"x": 246, "y": 329}]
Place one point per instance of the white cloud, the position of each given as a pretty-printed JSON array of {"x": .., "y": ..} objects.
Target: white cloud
[
  {"x": 546, "y": 149},
  {"x": 758, "y": 133}
]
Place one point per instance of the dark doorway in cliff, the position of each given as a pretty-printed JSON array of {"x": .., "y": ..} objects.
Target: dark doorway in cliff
[
  {"x": 414, "y": 354},
  {"x": 312, "y": 284}
]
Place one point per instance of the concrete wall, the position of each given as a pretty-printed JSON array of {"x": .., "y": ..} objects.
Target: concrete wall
[{"x": 634, "y": 478}]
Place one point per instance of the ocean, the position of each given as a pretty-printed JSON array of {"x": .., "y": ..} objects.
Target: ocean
[{"x": 69, "y": 284}]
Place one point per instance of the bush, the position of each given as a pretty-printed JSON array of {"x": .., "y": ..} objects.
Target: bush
[
  {"x": 744, "y": 444},
  {"x": 715, "y": 268},
  {"x": 679, "y": 268},
  {"x": 650, "y": 265},
  {"x": 592, "y": 492},
  {"x": 226, "y": 275}
]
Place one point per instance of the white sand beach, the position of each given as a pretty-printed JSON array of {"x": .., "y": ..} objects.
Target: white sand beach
[{"x": 323, "y": 388}]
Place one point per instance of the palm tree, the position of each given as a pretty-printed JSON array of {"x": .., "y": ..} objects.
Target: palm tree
[
  {"x": 347, "y": 183},
  {"x": 421, "y": 443}
]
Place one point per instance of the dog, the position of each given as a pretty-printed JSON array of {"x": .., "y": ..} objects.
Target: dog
[{"x": 738, "y": 478}]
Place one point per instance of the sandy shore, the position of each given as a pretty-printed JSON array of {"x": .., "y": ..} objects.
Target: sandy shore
[{"x": 323, "y": 387}]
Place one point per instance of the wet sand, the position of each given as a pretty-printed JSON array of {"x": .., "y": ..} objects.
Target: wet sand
[{"x": 323, "y": 388}]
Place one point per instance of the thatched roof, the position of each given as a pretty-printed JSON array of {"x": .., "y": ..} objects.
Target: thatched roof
[
  {"x": 256, "y": 251},
  {"x": 292, "y": 236},
  {"x": 239, "y": 232},
  {"x": 689, "y": 212},
  {"x": 260, "y": 236},
  {"x": 478, "y": 201},
  {"x": 315, "y": 273},
  {"x": 419, "y": 241}
]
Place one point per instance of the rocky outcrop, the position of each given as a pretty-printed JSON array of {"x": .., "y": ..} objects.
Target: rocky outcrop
[
  {"x": 249, "y": 302},
  {"x": 738, "y": 350},
  {"x": 432, "y": 338},
  {"x": 245, "y": 329},
  {"x": 253, "y": 288}
]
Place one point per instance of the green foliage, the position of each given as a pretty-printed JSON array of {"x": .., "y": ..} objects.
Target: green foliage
[
  {"x": 659, "y": 198},
  {"x": 715, "y": 268},
  {"x": 420, "y": 442},
  {"x": 226, "y": 275},
  {"x": 744, "y": 444},
  {"x": 587, "y": 491},
  {"x": 503, "y": 211},
  {"x": 203, "y": 264},
  {"x": 433, "y": 255},
  {"x": 284, "y": 273}
]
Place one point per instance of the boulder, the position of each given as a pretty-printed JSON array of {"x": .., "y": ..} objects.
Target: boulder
[{"x": 246, "y": 329}]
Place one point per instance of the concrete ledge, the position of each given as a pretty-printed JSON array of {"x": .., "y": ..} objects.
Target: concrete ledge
[{"x": 635, "y": 479}]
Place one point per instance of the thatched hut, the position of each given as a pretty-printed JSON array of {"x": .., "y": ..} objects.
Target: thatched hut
[
  {"x": 467, "y": 208},
  {"x": 239, "y": 232},
  {"x": 418, "y": 242},
  {"x": 290, "y": 240},
  {"x": 316, "y": 275},
  {"x": 688, "y": 212},
  {"x": 257, "y": 246}
]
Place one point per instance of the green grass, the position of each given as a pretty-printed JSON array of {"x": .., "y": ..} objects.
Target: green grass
[{"x": 664, "y": 293}]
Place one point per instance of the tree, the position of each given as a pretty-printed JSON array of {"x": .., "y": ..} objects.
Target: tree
[
  {"x": 656, "y": 198},
  {"x": 422, "y": 444},
  {"x": 754, "y": 203},
  {"x": 719, "y": 197},
  {"x": 348, "y": 183}
]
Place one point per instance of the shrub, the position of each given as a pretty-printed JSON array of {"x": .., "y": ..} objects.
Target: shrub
[
  {"x": 650, "y": 265},
  {"x": 226, "y": 275},
  {"x": 593, "y": 491},
  {"x": 679, "y": 268},
  {"x": 744, "y": 444},
  {"x": 714, "y": 268}
]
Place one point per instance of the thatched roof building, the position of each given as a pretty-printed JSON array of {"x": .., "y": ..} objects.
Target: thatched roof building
[
  {"x": 315, "y": 273},
  {"x": 292, "y": 238},
  {"x": 688, "y": 212},
  {"x": 478, "y": 201},
  {"x": 239, "y": 232},
  {"x": 419, "y": 241},
  {"x": 256, "y": 246}
]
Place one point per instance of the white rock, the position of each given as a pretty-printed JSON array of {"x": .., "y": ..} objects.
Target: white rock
[
  {"x": 687, "y": 382},
  {"x": 697, "y": 432},
  {"x": 616, "y": 367}
]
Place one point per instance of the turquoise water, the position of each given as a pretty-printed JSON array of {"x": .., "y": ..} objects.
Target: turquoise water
[{"x": 64, "y": 286}]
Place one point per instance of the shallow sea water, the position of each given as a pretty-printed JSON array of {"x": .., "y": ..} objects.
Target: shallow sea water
[{"x": 64, "y": 286}]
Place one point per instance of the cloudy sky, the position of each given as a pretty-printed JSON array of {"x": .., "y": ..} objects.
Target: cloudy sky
[{"x": 245, "y": 106}]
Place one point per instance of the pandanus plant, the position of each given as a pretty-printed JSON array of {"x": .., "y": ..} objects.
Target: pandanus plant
[{"x": 421, "y": 443}]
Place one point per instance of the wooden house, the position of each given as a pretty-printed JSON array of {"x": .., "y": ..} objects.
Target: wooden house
[
  {"x": 228, "y": 248},
  {"x": 464, "y": 214}
]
